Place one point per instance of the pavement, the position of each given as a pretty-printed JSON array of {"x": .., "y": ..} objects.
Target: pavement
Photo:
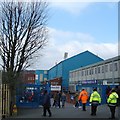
[{"x": 103, "y": 112}]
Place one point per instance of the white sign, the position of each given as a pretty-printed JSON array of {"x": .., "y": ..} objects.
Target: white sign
[
  {"x": 55, "y": 88},
  {"x": 104, "y": 82},
  {"x": 36, "y": 77}
]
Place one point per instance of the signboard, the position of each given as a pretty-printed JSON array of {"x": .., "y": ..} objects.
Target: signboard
[
  {"x": 104, "y": 82},
  {"x": 89, "y": 82},
  {"x": 55, "y": 88}
]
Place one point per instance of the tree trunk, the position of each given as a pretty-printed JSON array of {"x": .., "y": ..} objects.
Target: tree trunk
[{"x": 12, "y": 100}]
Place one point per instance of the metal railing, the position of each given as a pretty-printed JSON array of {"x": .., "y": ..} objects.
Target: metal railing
[{"x": 4, "y": 101}]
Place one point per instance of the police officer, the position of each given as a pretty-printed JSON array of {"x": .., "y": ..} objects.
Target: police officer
[
  {"x": 112, "y": 102},
  {"x": 95, "y": 100}
]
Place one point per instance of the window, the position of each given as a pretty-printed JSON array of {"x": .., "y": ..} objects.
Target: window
[
  {"x": 106, "y": 68},
  {"x": 110, "y": 67},
  {"x": 102, "y": 69},
  {"x": 76, "y": 74},
  {"x": 82, "y": 73},
  {"x": 90, "y": 72},
  {"x": 95, "y": 70},
  {"x": 41, "y": 77},
  {"x": 79, "y": 73},
  {"x": 115, "y": 66},
  {"x": 98, "y": 69},
  {"x": 87, "y": 72},
  {"x": 30, "y": 78}
]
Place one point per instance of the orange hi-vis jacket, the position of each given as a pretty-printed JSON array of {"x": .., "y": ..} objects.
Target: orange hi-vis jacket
[{"x": 83, "y": 96}]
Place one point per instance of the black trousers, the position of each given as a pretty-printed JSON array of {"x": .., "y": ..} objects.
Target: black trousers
[
  {"x": 54, "y": 103},
  {"x": 112, "y": 110},
  {"x": 93, "y": 109},
  {"x": 59, "y": 104},
  {"x": 76, "y": 104},
  {"x": 84, "y": 106},
  {"x": 45, "y": 109}
]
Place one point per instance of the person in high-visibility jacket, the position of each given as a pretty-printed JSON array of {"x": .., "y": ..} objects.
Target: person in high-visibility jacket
[
  {"x": 112, "y": 102},
  {"x": 95, "y": 100},
  {"x": 83, "y": 97}
]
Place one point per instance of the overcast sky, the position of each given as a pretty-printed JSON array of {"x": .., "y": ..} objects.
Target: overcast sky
[{"x": 75, "y": 27}]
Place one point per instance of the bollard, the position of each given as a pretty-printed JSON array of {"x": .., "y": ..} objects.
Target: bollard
[{"x": 14, "y": 110}]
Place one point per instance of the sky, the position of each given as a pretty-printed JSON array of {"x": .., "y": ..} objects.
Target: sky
[{"x": 75, "y": 27}]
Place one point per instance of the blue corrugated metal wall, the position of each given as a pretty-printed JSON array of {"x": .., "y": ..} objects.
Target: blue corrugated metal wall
[
  {"x": 55, "y": 71},
  {"x": 62, "y": 69}
]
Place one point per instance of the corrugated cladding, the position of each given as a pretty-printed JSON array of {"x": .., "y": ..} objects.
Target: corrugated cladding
[{"x": 55, "y": 71}]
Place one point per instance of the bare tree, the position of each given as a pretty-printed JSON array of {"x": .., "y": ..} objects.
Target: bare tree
[{"x": 23, "y": 32}]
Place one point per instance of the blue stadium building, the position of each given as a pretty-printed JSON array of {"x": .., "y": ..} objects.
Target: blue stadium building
[{"x": 61, "y": 70}]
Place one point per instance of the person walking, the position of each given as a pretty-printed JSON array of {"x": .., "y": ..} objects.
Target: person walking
[
  {"x": 59, "y": 98},
  {"x": 55, "y": 102},
  {"x": 46, "y": 104},
  {"x": 95, "y": 100},
  {"x": 76, "y": 99},
  {"x": 83, "y": 97},
  {"x": 63, "y": 99},
  {"x": 112, "y": 102}
]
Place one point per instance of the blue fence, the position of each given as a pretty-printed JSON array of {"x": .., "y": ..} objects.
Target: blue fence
[
  {"x": 100, "y": 88},
  {"x": 30, "y": 95}
]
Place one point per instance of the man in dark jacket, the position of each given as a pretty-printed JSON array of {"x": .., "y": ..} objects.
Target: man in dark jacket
[
  {"x": 59, "y": 98},
  {"x": 46, "y": 104}
]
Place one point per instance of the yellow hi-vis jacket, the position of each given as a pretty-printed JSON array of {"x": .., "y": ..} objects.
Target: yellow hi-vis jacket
[
  {"x": 95, "y": 96},
  {"x": 112, "y": 98}
]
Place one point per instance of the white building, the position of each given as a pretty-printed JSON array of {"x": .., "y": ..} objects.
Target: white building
[{"x": 102, "y": 73}]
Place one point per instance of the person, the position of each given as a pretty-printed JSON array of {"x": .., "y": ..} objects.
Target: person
[
  {"x": 76, "y": 99},
  {"x": 71, "y": 98},
  {"x": 112, "y": 102},
  {"x": 46, "y": 104},
  {"x": 63, "y": 99},
  {"x": 83, "y": 97},
  {"x": 59, "y": 98},
  {"x": 95, "y": 100},
  {"x": 55, "y": 102}
]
